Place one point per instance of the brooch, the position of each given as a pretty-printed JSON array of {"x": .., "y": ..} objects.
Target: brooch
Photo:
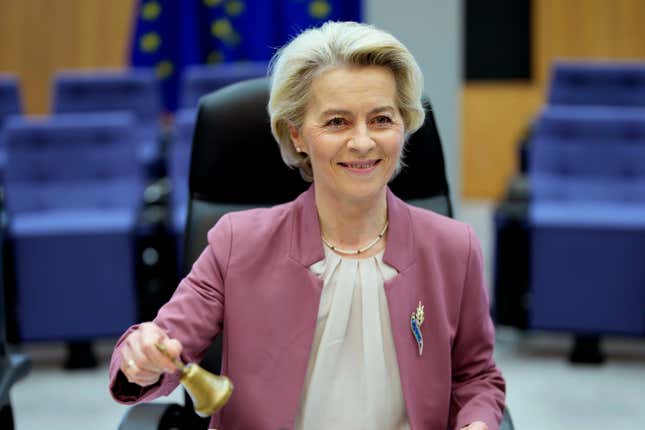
[{"x": 416, "y": 319}]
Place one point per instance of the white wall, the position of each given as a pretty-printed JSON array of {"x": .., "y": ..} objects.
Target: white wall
[{"x": 431, "y": 29}]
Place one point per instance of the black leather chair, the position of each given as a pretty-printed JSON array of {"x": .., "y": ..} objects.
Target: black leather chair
[{"x": 236, "y": 164}]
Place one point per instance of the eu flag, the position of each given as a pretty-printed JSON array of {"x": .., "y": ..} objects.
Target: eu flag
[
  {"x": 298, "y": 15},
  {"x": 171, "y": 34}
]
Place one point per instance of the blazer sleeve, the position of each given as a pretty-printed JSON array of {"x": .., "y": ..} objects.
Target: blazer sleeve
[
  {"x": 478, "y": 388},
  {"x": 193, "y": 316}
]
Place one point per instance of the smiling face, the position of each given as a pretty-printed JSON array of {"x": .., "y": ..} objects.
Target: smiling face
[{"x": 352, "y": 131}]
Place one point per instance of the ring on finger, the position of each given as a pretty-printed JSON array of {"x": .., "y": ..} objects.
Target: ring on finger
[{"x": 130, "y": 363}]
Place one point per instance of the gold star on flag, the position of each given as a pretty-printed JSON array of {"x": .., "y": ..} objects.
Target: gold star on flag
[
  {"x": 212, "y": 3},
  {"x": 319, "y": 9},
  {"x": 150, "y": 42},
  {"x": 150, "y": 10},
  {"x": 221, "y": 28},
  {"x": 234, "y": 7},
  {"x": 214, "y": 57},
  {"x": 224, "y": 31},
  {"x": 164, "y": 69}
]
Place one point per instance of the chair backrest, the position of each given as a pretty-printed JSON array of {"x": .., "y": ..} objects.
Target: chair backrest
[
  {"x": 9, "y": 105},
  {"x": 586, "y": 83},
  {"x": 72, "y": 161},
  {"x": 135, "y": 90},
  {"x": 9, "y": 97},
  {"x": 589, "y": 154},
  {"x": 199, "y": 80}
]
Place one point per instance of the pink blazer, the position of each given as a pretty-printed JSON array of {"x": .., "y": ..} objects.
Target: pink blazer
[{"x": 253, "y": 283}]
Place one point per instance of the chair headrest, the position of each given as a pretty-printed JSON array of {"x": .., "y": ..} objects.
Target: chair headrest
[{"x": 235, "y": 158}]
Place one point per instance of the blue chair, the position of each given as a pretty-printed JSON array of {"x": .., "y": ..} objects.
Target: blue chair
[
  {"x": 134, "y": 90},
  {"x": 587, "y": 220},
  {"x": 9, "y": 105},
  {"x": 581, "y": 84},
  {"x": 200, "y": 80},
  {"x": 73, "y": 195},
  {"x": 598, "y": 83}
]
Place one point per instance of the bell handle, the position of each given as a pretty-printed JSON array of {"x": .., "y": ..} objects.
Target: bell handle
[{"x": 177, "y": 362}]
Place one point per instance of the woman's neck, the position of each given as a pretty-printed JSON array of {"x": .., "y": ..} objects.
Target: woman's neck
[{"x": 352, "y": 224}]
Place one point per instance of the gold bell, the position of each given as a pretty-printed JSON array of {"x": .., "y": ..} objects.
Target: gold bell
[{"x": 209, "y": 392}]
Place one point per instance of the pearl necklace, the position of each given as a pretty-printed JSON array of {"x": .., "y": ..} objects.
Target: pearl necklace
[{"x": 360, "y": 250}]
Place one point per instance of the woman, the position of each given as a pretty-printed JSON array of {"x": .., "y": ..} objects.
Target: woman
[{"x": 345, "y": 308}]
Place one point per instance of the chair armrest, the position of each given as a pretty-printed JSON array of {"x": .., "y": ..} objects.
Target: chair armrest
[
  {"x": 519, "y": 188},
  {"x": 12, "y": 368},
  {"x": 154, "y": 416},
  {"x": 515, "y": 205},
  {"x": 507, "y": 422},
  {"x": 157, "y": 192}
]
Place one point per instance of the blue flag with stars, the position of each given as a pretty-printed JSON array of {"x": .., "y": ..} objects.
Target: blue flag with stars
[{"x": 171, "y": 34}]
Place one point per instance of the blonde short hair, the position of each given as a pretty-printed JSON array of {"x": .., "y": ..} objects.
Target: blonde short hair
[{"x": 336, "y": 44}]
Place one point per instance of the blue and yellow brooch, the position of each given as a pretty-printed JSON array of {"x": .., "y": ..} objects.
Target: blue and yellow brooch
[{"x": 416, "y": 319}]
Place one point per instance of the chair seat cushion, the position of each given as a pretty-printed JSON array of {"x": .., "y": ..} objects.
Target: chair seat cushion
[
  {"x": 78, "y": 285},
  {"x": 57, "y": 222},
  {"x": 588, "y": 214}
]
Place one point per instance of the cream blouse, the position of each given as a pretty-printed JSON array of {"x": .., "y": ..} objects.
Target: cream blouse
[{"x": 352, "y": 380}]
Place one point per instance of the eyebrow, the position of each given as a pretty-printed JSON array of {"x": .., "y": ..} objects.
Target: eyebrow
[{"x": 380, "y": 109}]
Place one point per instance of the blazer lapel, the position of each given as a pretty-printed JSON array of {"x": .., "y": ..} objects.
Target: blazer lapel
[
  {"x": 400, "y": 238},
  {"x": 306, "y": 246}
]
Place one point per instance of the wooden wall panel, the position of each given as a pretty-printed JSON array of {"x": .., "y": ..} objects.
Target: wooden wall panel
[
  {"x": 493, "y": 115},
  {"x": 591, "y": 29},
  {"x": 38, "y": 37}
]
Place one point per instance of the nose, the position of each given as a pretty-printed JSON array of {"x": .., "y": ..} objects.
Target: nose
[{"x": 361, "y": 141}]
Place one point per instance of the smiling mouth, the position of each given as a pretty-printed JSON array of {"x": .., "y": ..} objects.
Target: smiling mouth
[{"x": 360, "y": 165}]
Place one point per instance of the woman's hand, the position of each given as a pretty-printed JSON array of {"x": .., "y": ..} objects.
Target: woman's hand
[
  {"x": 477, "y": 425},
  {"x": 141, "y": 362}
]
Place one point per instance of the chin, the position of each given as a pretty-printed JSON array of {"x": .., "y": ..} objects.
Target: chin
[{"x": 362, "y": 192}]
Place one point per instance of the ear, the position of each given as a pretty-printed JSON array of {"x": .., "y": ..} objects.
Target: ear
[{"x": 296, "y": 138}]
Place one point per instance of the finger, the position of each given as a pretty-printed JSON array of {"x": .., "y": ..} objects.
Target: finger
[
  {"x": 144, "y": 381},
  {"x": 172, "y": 352},
  {"x": 477, "y": 425},
  {"x": 174, "y": 348},
  {"x": 150, "y": 349},
  {"x": 151, "y": 336},
  {"x": 125, "y": 359},
  {"x": 128, "y": 360},
  {"x": 137, "y": 354},
  {"x": 135, "y": 374}
]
